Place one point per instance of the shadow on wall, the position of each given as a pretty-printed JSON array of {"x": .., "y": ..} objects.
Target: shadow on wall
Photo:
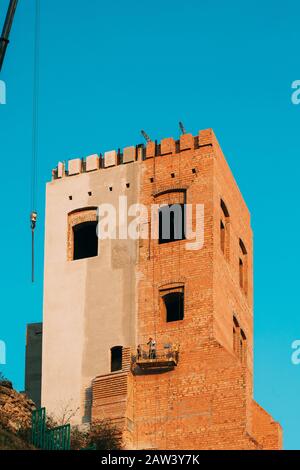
[{"x": 87, "y": 406}]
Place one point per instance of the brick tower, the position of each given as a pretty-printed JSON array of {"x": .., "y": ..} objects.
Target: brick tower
[{"x": 105, "y": 298}]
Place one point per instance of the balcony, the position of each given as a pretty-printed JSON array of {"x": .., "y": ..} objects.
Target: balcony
[{"x": 165, "y": 357}]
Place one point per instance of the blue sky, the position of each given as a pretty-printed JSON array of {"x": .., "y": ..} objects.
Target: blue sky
[{"x": 108, "y": 69}]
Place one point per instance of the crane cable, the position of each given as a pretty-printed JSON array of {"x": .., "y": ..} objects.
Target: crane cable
[{"x": 35, "y": 109}]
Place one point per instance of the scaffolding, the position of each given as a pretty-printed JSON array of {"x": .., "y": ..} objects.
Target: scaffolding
[{"x": 165, "y": 357}]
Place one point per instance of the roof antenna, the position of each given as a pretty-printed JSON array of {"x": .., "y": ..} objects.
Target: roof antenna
[
  {"x": 146, "y": 137},
  {"x": 33, "y": 218},
  {"x": 182, "y": 128}
]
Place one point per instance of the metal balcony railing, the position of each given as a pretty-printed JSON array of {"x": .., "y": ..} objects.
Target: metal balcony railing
[{"x": 165, "y": 357}]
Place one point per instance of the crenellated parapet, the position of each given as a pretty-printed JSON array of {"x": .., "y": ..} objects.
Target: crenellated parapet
[{"x": 135, "y": 153}]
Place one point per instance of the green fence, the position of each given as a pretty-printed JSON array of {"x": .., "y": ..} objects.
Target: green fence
[
  {"x": 38, "y": 428},
  {"x": 58, "y": 438}
]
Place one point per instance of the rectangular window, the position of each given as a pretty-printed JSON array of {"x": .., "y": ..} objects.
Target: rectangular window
[
  {"x": 173, "y": 304},
  {"x": 85, "y": 240},
  {"x": 171, "y": 223},
  {"x": 116, "y": 358}
]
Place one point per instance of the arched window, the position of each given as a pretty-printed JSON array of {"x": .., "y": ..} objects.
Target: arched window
[
  {"x": 224, "y": 229},
  {"x": 235, "y": 331},
  {"x": 243, "y": 267},
  {"x": 239, "y": 341},
  {"x": 241, "y": 273},
  {"x": 116, "y": 358},
  {"x": 82, "y": 234},
  {"x": 173, "y": 304},
  {"x": 243, "y": 347}
]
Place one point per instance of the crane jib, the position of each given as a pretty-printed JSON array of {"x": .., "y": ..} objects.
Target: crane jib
[{"x": 4, "y": 39}]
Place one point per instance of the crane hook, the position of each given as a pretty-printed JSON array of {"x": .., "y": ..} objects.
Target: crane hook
[{"x": 33, "y": 219}]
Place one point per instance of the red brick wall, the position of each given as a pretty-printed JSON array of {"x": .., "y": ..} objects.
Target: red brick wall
[
  {"x": 265, "y": 429},
  {"x": 206, "y": 401},
  {"x": 229, "y": 298}
]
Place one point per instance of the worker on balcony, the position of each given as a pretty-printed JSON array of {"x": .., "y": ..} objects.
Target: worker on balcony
[
  {"x": 139, "y": 351},
  {"x": 152, "y": 348}
]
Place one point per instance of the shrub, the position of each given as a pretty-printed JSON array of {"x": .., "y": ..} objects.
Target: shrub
[
  {"x": 105, "y": 436},
  {"x": 79, "y": 438}
]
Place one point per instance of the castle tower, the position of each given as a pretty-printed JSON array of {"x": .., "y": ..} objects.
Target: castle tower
[{"x": 104, "y": 299}]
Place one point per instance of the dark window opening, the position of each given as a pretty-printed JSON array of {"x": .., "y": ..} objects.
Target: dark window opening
[
  {"x": 171, "y": 223},
  {"x": 85, "y": 240},
  {"x": 174, "y": 303},
  {"x": 241, "y": 270},
  {"x": 116, "y": 358},
  {"x": 224, "y": 209},
  {"x": 242, "y": 247},
  {"x": 243, "y": 352},
  {"x": 243, "y": 267},
  {"x": 224, "y": 230},
  {"x": 239, "y": 341},
  {"x": 222, "y": 237}
]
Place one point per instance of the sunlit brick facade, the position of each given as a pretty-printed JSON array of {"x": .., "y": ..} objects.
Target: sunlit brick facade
[{"x": 197, "y": 393}]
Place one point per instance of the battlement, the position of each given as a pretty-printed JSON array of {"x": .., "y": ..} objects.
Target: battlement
[{"x": 135, "y": 153}]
